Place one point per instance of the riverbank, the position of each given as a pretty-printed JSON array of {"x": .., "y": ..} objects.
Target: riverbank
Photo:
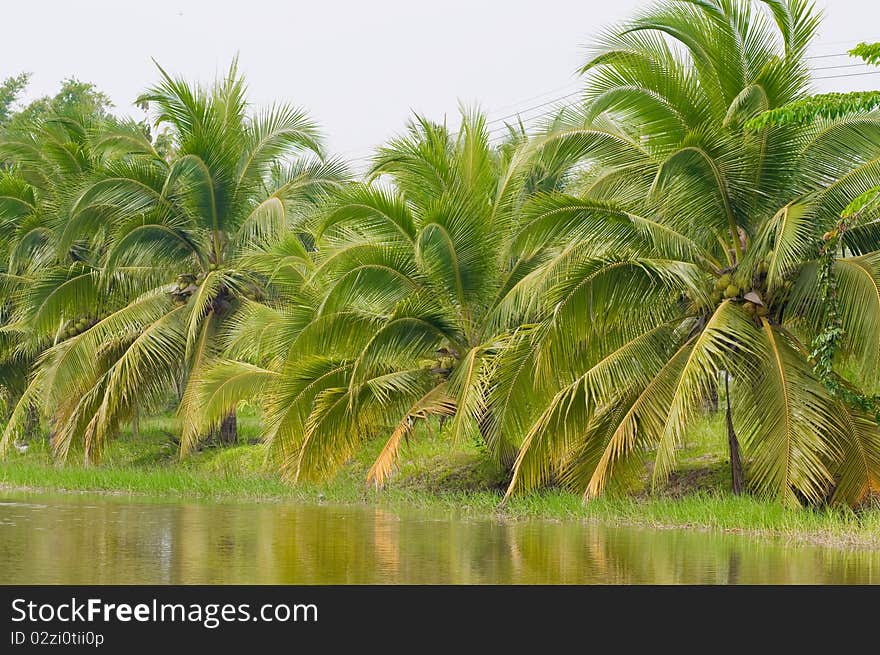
[{"x": 431, "y": 476}]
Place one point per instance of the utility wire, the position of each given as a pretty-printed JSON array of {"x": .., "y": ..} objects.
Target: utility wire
[
  {"x": 528, "y": 109},
  {"x": 558, "y": 89},
  {"x": 497, "y": 133},
  {"x": 825, "y": 68},
  {"x": 840, "y": 54},
  {"x": 834, "y": 77}
]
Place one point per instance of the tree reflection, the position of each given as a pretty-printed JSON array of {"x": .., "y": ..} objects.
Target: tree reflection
[{"x": 87, "y": 541}]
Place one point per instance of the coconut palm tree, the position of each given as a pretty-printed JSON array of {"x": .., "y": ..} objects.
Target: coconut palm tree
[
  {"x": 50, "y": 282},
  {"x": 391, "y": 320},
  {"x": 687, "y": 258},
  {"x": 177, "y": 228}
]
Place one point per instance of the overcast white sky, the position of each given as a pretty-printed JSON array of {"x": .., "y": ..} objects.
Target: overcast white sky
[{"x": 360, "y": 68}]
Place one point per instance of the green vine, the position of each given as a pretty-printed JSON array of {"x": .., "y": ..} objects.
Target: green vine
[
  {"x": 825, "y": 344},
  {"x": 824, "y": 105}
]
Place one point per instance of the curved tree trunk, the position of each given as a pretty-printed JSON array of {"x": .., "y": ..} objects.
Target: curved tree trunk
[
  {"x": 32, "y": 422},
  {"x": 710, "y": 402},
  {"x": 736, "y": 467},
  {"x": 228, "y": 435}
]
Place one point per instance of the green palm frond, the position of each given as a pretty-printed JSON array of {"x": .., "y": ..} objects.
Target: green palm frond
[
  {"x": 790, "y": 425},
  {"x": 215, "y": 392},
  {"x": 289, "y": 406},
  {"x": 611, "y": 378},
  {"x": 858, "y": 295},
  {"x": 858, "y": 472},
  {"x": 435, "y": 402}
]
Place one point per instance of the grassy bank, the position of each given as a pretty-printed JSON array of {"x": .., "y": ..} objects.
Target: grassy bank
[{"x": 434, "y": 477}]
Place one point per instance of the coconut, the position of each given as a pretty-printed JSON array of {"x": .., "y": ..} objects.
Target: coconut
[
  {"x": 761, "y": 310},
  {"x": 732, "y": 291},
  {"x": 749, "y": 307},
  {"x": 724, "y": 281}
]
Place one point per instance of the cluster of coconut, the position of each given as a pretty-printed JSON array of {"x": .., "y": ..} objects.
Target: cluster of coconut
[
  {"x": 77, "y": 326},
  {"x": 726, "y": 288},
  {"x": 253, "y": 292},
  {"x": 445, "y": 362},
  {"x": 186, "y": 285}
]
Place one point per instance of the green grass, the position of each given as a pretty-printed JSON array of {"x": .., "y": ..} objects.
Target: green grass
[{"x": 433, "y": 475}]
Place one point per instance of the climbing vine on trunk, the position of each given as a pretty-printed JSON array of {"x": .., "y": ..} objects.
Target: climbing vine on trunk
[{"x": 825, "y": 345}]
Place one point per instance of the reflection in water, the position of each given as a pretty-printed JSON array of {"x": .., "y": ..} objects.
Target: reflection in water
[{"x": 85, "y": 540}]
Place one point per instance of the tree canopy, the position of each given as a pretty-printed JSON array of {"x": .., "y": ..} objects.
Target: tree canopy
[{"x": 699, "y": 226}]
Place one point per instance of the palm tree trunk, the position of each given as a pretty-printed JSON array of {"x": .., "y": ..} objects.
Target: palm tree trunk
[
  {"x": 136, "y": 424},
  {"x": 32, "y": 422},
  {"x": 736, "y": 468},
  {"x": 711, "y": 401},
  {"x": 229, "y": 430}
]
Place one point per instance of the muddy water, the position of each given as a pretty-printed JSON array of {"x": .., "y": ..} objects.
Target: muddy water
[{"x": 103, "y": 540}]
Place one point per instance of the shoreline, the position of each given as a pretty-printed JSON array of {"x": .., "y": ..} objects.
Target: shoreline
[
  {"x": 436, "y": 477},
  {"x": 710, "y": 513}
]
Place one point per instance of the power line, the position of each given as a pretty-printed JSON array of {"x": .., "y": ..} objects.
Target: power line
[
  {"x": 834, "y": 77},
  {"x": 513, "y": 104},
  {"x": 543, "y": 104},
  {"x": 535, "y": 97},
  {"x": 501, "y": 130},
  {"x": 553, "y": 101},
  {"x": 825, "y": 68},
  {"x": 825, "y": 77},
  {"x": 498, "y": 133},
  {"x": 839, "y": 54},
  {"x": 540, "y": 95},
  {"x": 821, "y": 77},
  {"x": 836, "y": 43}
]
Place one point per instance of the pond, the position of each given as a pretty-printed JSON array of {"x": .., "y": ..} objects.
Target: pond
[{"x": 72, "y": 539}]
